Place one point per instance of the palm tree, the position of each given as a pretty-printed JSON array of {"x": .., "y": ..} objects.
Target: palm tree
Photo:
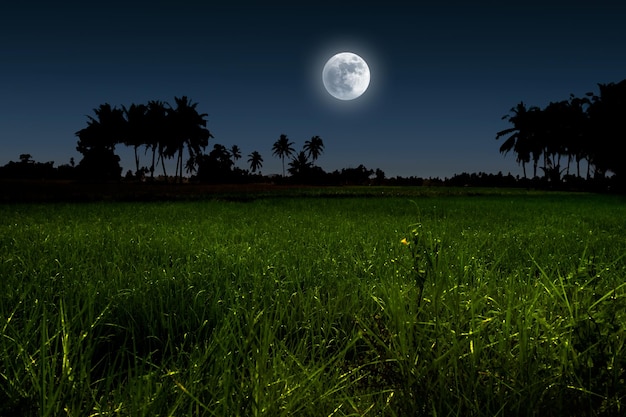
[
  {"x": 190, "y": 165},
  {"x": 102, "y": 131},
  {"x": 97, "y": 143},
  {"x": 188, "y": 130},
  {"x": 235, "y": 153},
  {"x": 300, "y": 164},
  {"x": 157, "y": 132},
  {"x": 255, "y": 160},
  {"x": 314, "y": 147},
  {"x": 216, "y": 166},
  {"x": 135, "y": 132},
  {"x": 283, "y": 148},
  {"x": 580, "y": 131},
  {"x": 523, "y": 139},
  {"x": 517, "y": 136},
  {"x": 606, "y": 117}
]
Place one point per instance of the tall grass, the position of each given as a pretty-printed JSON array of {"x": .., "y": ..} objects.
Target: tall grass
[{"x": 313, "y": 306}]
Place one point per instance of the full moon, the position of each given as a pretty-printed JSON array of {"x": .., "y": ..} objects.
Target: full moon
[{"x": 346, "y": 76}]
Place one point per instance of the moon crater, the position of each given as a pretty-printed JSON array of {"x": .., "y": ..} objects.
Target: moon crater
[{"x": 346, "y": 76}]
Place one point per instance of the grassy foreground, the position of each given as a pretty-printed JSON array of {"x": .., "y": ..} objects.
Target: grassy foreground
[{"x": 312, "y": 306}]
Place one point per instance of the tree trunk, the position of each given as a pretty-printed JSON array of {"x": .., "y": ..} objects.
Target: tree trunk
[
  {"x": 152, "y": 166},
  {"x": 136, "y": 160},
  {"x": 162, "y": 163},
  {"x": 179, "y": 165}
]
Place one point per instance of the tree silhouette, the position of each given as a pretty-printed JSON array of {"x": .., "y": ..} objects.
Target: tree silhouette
[
  {"x": 102, "y": 131},
  {"x": 300, "y": 165},
  {"x": 190, "y": 165},
  {"x": 159, "y": 127},
  {"x": 255, "y": 160},
  {"x": 606, "y": 116},
  {"x": 283, "y": 148},
  {"x": 216, "y": 166},
  {"x": 588, "y": 128},
  {"x": 579, "y": 121},
  {"x": 135, "y": 131},
  {"x": 235, "y": 153},
  {"x": 157, "y": 133},
  {"x": 188, "y": 130},
  {"x": 521, "y": 134},
  {"x": 97, "y": 144},
  {"x": 99, "y": 164},
  {"x": 314, "y": 147}
]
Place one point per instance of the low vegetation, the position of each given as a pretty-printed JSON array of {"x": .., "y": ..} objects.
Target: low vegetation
[{"x": 387, "y": 302}]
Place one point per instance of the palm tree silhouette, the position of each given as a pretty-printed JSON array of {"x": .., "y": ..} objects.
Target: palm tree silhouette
[
  {"x": 189, "y": 130},
  {"x": 314, "y": 147},
  {"x": 97, "y": 143},
  {"x": 157, "y": 132},
  {"x": 255, "y": 160},
  {"x": 283, "y": 148},
  {"x": 235, "y": 153},
  {"x": 135, "y": 132},
  {"x": 606, "y": 116},
  {"x": 521, "y": 134},
  {"x": 579, "y": 119},
  {"x": 300, "y": 164},
  {"x": 102, "y": 131}
]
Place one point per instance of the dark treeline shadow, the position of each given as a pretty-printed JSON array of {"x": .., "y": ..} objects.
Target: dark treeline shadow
[
  {"x": 573, "y": 144},
  {"x": 556, "y": 139}
]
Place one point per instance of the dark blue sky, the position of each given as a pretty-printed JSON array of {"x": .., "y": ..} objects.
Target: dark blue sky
[{"x": 442, "y": 75}]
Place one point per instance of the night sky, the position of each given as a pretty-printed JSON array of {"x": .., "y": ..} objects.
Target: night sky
[{"x": 442, "y": 76}]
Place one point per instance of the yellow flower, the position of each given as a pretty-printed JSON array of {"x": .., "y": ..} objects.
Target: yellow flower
[{"x": 404, "y": 242}]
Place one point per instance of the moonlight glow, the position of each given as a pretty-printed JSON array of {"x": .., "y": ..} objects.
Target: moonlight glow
[{"x": 346, "y": 76}]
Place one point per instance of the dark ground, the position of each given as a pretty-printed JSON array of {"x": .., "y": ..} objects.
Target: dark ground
[{"x": 31, "y": 191}]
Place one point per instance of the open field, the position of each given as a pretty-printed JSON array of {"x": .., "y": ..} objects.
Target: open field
[{"x": 308, "y": 303}]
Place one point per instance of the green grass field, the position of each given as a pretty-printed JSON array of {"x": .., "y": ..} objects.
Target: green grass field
[{"x": 501, "y": 303}]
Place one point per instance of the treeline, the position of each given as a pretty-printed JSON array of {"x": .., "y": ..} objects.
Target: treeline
[
  {"x": 215, "y": 167},
  {"x": 310, "y": 174},
  {"x": 558, "y": 137},
  {"x": 27, "y": 168},
  {"x": 160, "y": 132},
  {"x": 164, "y": 131}
]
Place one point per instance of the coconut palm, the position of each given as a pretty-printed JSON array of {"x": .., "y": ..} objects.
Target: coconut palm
[
  {"x": 283, "y": 148},
  {"x": 135, "y": 132},
  {"x": 255, "y": 160},
  {"x": 580, "y": 131},
  {"x": 157, "y": 132},
  {"x": 521, "y": 134},
  {"x": 216, "y": 166},
  {"x": 97, "y": 143},
  {"x": 314, "y": 147},
  {"x": 103, "y": 131},
  {"x": 235, "y": 153},
  {"x": 188, "y": 130},
  {"x": 606, "y": 116},
  {"x": 300, "y": 164},
  {"x": 190, "y": 165}
]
